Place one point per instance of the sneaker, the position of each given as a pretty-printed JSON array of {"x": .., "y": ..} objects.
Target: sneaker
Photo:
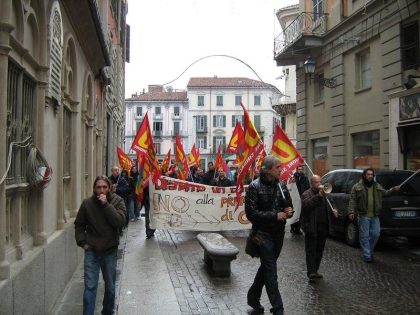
[
  {"x": 257, "y": 307},
  {"x": 318, "y": 275},
  {"x": 367, "y": 259},
  {"x": 312, "y": 278}
]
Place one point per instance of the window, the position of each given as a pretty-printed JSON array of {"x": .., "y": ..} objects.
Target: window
[
  {"x": 238, "y": 100},
  {"x": 176, "y": 111},
  {"x": 257, "y": 100},
  {"x": 319, "y": 89},
  {"x": 219, "y": 140},
  {"x": 366, "y": 149},
  {"x": 236, "y": 118},
  {"x": 410, "y": 46},
  {"x": 176, "y": 127},
  {"x": 257, "y": 122},
  {"x": 138, "y": 123},
  {"x": 200, "y": 100},
  {"x": 318, "y": 8},
  {"x": 20, "y": 119},
  {"x": 157, "y": 148},
  {"x": 202, "y": 123},
  {"x": 66, "y": 142},
  {"x": 219, "y": 121},
  {"x": 320, "y": 156},
  {"x": 219, "y": 100},
  {"x": 139, "y": 110},
  {"x": 158, "y": 110},
  {"x": 157, "y": 128},
  {"x": 364, "y": 72},
  {"x": 283, "y": 122},
  {"x": 202, "y": 142}
]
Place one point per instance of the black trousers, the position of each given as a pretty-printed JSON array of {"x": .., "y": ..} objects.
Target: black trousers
[
  {"x": 314, "y": 248},
  {"x": 267, "y": 273}
]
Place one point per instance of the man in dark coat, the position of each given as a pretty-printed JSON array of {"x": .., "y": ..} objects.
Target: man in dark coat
[
  {"x": 267, "y": 205},
  {"x": 210, "y": 174},
  {"x": 315, "y": 209},
  {"x": 221, "y": 180},
  {"x": 302, "y": 184},
  {"x": 97, "y": 231}
]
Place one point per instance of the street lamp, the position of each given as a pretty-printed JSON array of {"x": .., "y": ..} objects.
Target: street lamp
[{"x": 309, "y": 67}]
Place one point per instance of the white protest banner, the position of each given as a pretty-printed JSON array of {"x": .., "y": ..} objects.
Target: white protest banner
[{"x": 181, "y": 205}]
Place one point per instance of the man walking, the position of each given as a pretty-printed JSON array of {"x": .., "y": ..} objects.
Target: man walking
[
  {"x": 315, "y": 209},
  {"x": 97, "y": 231},
  {"x": 268, "y": 209},
  {"x": 302, "y": 184},
  {"x": 366, "y": 203}
]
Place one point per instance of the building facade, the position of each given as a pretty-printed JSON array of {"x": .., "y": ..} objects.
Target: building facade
[
  {"x": 61, "y": 89},
  {"x": 363, "y": 52},
  {"x": 214, "y": 109},
  {"x": 168, "y": 116}
]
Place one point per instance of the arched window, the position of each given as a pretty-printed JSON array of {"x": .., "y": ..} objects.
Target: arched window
[{"x": 56, "y": 53}]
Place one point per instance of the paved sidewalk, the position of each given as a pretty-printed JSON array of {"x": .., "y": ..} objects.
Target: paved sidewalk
[{"x": 142, "y": 280}]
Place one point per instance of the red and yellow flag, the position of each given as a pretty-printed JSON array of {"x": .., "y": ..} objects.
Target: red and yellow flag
[
  {"x": 143, "y": 144},
  {"x": 142, "y": 180},
  {"x": 286, "y": 152},
  {"x": 252, "y": 148},
  {"x": 220, "y": 162},
  {"x": 237, "y": 139},
  {"x": 194, "y": 157},
  {"x": 166, "y": 162},
  {"x": 125, "y": 162},
  {"x": 181, "y": 160}
]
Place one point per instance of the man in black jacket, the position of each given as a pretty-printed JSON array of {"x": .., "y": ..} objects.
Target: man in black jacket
[
  {"x": 267, "y": 206},
  {"x": 97, "y": 231},
  {"x": 210, "y": 175},
  {"x": 302, "y": 184},
  {"x": 315, "y": 209}
]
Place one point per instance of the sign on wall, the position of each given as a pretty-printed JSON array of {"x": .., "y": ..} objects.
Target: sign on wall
[{"x": 181, "y": 205}]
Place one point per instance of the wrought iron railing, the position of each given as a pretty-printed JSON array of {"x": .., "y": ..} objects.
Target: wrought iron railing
[{"x": 306, "y": 23}]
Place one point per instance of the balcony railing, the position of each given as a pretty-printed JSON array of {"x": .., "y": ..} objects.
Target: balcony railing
[
  {"x": 157, "y": 116},
  {"x": 174, "y": 116},
  {"x": 202, "y": 130},
  {"x": 157, "y": 133},
  {"x": 181, "y": 133},
  {"x": 306, "y": 23}
]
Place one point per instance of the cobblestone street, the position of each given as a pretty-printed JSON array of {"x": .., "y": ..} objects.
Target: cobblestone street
[{"x": 388, "y": 286}]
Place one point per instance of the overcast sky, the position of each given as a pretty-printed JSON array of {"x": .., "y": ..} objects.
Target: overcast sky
[{"x": 169, "y": 35}]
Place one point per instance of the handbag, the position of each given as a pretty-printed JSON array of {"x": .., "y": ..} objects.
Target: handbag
[{"x": 253, "y": 242}]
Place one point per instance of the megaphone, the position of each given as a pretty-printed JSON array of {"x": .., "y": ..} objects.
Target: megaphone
[{"x": 327, "y": 188}]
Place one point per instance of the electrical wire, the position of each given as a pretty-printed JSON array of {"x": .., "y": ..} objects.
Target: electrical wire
[{"x": 20, "y": 144}]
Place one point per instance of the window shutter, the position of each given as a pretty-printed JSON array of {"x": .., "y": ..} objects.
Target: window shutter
[
  {"x": 205, "y": 142},
  {"x": 233, "y": 120},
  {"x": 214, "y": 121},
  {"x": 224, "y": 120},
  {"x": 214, "y": 145},
  {"x": 205, "y": 122}
]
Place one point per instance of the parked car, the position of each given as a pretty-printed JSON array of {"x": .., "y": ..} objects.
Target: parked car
[{"x": 400, "y": 215}]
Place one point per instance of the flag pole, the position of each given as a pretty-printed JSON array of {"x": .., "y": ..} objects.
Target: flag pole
[{"x": 409, "y": 177}]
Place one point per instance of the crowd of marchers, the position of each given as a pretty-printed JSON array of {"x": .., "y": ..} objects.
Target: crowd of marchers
[{"x": 114, "y": 203}]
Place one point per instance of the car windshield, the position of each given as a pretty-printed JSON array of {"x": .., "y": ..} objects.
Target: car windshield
[{"x": 412, "y": 187}]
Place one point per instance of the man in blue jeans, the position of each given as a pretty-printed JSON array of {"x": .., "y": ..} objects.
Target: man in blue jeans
[
  {"x": 267, "y": 205},
  {"x": 366, "y": 203},
  {"x": 97, "y": 231}
]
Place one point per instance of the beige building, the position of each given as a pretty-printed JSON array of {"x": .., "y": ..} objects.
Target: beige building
[
  {"x": 62, "y": 92},
  {"x": 214, "y": 110},
  {"x": 167, "y": 111},
  {"x": 361, "y": 53}
]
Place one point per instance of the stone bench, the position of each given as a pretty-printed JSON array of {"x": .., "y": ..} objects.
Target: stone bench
[{"x": 218, "y": 252}]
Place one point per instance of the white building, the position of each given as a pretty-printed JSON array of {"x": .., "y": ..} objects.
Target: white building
[
  {"x": 167, "y": 112},
  {"x": 214, "y": 109}
]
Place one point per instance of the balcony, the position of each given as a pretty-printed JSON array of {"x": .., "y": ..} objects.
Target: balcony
[
  {"x": 157, "y": 116},
  {"x": 260, "y": 129},
  {"x": 298, "y": 39},
  {"x": 202, "y": 130},
  {"x": 176, "y": 117},
  {"x": 157, "y": 133},
  {"x": 181, "y": 133}
]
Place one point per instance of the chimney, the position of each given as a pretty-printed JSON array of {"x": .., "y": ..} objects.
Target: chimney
[{"x": 155, "y": 88}]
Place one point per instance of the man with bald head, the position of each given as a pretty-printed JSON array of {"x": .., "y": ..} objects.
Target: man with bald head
[{"x": 315, "y": 225}]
